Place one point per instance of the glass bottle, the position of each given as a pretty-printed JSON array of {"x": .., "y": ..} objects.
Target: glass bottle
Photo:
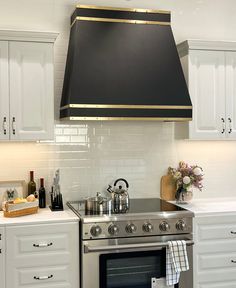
[
  {"x": 42, "y": 194},
  {"x": 31, "y": 184}
]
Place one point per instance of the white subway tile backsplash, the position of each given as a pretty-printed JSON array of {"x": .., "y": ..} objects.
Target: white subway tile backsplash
[
  {"x": 92, "y": 155},
  {"x": 62, "y": 139},
  {"x": 58, "y": 131},
  {"x": 70, "y": 131}
]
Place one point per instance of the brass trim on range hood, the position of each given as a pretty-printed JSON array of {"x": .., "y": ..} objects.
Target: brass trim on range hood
[
  {"x": 121, "y": 106},
  {"x": 127, "y": 21},
  {"x": 176, "y": 119},
  {"x": 139, "y": 10}
]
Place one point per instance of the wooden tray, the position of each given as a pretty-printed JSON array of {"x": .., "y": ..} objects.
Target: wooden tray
[
  {"x": 22, "y": 212},
  {"x": 15, "y": 210}
]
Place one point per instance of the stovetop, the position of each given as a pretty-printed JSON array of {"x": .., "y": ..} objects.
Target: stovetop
[
  {"x": 137, "y": 206},
  {"x": 148, "y": 216},
  {"x": 152, "y": 208}
]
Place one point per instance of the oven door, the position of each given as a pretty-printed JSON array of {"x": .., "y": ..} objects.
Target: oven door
[{"x": 129, "y": 262}]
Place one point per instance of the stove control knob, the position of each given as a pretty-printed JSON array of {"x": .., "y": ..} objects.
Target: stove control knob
[
  {"x": 164, "y": 226},
  {"x": 130, "y": 228},
  {"x": 147, "y": 227},
  {"x": 181, "y": 225},
  {"x": 113, "y": 229},
  {"x": 96, "y": 231}
]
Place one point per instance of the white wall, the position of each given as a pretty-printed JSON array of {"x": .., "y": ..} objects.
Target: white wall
[{"x": 91, "y": 155}]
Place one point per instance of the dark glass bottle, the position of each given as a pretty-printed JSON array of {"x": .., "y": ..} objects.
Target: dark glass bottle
[
  {"x": 31, "y": 184},
  {"x": 42, "y": 194}
]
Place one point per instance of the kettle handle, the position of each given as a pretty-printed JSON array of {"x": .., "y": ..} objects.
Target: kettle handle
[{"x": 122, "y": 179}]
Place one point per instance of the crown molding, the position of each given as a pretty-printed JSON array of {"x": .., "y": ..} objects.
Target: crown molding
[
  {"x": 197, "y": 44},
  {"x": 29, "y": 36}
]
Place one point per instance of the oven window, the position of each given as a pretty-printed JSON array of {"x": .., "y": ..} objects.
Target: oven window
[{"x": 131, "y": 270}]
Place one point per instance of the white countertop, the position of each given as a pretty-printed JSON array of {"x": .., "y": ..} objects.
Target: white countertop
[
  {"x": 43, "y": 216},
  {"x": 209, "y": 206}
]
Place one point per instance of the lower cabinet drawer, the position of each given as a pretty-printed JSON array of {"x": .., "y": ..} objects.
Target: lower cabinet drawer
[
  {"x": 39, "y": 245},
  {"x": 216, "y": 261},
  {"x": 43, "y": 276}
]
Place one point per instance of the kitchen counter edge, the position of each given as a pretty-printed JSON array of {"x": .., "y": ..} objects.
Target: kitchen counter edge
[{"x": 44, "y": 216}]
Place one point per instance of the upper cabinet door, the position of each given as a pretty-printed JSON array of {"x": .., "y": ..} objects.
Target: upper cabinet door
[
  {"x": 231, "y": 95},
  {"x": 31, "y": 91},
  {"x": 4, "y": 91},
  {"x": 207, "y": 90}
]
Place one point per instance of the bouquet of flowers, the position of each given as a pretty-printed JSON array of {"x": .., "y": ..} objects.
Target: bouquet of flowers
[{"x": 186, "y": 176}]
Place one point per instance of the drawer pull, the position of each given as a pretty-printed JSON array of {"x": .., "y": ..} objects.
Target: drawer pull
[
  {"x": 42, "y": 245},
  {"x": 233, "y": 261},
  {"x": 43, "y": 277},
  {"x": 233, "y": 232}
]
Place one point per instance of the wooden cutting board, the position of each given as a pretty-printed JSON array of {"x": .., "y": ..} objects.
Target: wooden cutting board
[{"x": 168, "y": 188}]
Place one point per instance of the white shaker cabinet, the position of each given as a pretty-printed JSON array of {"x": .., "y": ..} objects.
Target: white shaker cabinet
[
  {"x": 210, "y": 72},
  {"x": 4, "y": 91},
  {"x": 31, "y": 91},
  {"x": 231, "y": 94},
  {"x": 42, "y": 255},
  {"x": 27, "y": 86},
  {"x": 214, "y": 253},
  {"x": 2, "y": 257}
]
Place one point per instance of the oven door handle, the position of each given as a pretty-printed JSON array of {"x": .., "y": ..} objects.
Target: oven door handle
[{"x": 158, "y": 245}]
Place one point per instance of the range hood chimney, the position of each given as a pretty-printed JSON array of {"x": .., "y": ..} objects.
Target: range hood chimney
[{"x": 123, "y": 64}]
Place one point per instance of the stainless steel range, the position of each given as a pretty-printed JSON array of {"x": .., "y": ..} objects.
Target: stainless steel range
[{"x": 128, "y": 250}]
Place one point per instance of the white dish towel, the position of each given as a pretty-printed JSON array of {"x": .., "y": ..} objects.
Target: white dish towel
[{"x": 176, "y": 261}]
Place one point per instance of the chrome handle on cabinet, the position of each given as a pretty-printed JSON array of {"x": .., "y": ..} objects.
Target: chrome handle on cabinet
[
  {"x": 233, "y": 261},
  {"x": 13, "y": 125},
  {"x": 223, "y": 125},
  {"x": 42, "y": 245},
  {"x": 4, "y": 125},
  {"x": 230, "y": 125},
  {"x": 43, "y": 277},
  {"x": 233, "y": 232}
]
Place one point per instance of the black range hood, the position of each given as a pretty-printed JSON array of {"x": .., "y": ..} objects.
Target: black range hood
[{"x": 123, "y": 64}]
